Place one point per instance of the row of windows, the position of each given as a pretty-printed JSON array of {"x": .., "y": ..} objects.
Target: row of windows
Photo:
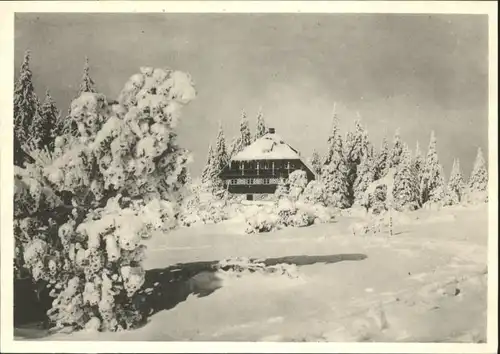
[
  {"x": 254, "y": 181},
  {"x": 262, "y": 165}
]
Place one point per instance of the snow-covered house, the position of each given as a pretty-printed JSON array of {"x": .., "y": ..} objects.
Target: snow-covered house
[{"x": 258, "y": 168}]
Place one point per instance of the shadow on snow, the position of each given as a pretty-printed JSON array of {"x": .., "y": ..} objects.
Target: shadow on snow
[
  {"x": 164, "y": 288},
  {"x": 173, "y": 285}
]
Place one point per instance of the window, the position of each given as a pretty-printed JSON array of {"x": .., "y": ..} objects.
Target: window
[
  {"x": 234, "y": 181},
  {"x": 266, "y": 181},
  {"x": 250, "y": 181}
]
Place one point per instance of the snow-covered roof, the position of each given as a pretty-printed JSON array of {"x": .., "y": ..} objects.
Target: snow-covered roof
[{"x": 268, "y": 147}]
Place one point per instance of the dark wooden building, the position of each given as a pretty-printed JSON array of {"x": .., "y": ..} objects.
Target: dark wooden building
[{"x": 260, "y": 166}]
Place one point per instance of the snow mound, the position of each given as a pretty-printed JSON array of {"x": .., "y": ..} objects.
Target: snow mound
[{"x": 239, "y": 266}]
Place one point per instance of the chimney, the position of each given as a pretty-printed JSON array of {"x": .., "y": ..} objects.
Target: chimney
[{"x": 271, "y": 131}]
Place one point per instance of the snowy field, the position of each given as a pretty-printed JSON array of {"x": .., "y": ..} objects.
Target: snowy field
[{"x": 427, "y": 283}]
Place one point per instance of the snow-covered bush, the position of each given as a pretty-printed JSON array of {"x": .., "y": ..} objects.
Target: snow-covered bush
[
  {"x": 297, "y": 181},
  {"x": 474, "y": 197},
  {"x": 112, "y": 184},
  {"x": 376, "y": 201},
  {"x": 286, "y": 213},
  {"x": 281, "y": 190},
  {"x": 201, "y": 206},
  {"x": 314, "y": 193},
  {"x": 296, "y": 204},
  {"x": 260, "y": 219}
]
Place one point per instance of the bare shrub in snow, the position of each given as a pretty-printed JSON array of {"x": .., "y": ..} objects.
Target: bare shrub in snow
[{"x": 81, "y": 218}]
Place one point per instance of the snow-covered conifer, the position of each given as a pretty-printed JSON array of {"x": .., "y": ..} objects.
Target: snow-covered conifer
[
  {"x": 243, "y": 139},
  {"x": 334, "y": 170},
  {"x": 208, "y": 170},
  {"x": 87, "y": 84},
  {"x": 455, "y": 188},
  {"x": 382, "y": 160},
  {"x": 478, "y": 181},
  {"x": 261, "y": 128},
  {"x": 119, "y": 179},
  {"x": 67, "y": 125},
  {"x": 332, "y": 139},
  {"x": 26, "y": 103},
  {"x": 44, "y": 127},
  {"x": 356, "y": 147},
  {"x": 432, "y": 184},
  {"x": 397, "y": 150},
  {"x": 418, "y": 160},
  {"x": 406, "y": 189},
  {"x": 246, "y": 136},
  {"x": 220, "y": 150},
  {"x": 316, "y": 162},
  {"x": 234, "y": 147},
  {"x": 364, "y": 177}
]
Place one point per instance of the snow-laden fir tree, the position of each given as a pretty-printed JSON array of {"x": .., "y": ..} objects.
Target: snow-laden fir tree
[
  {"x": 418, "y": 165},
  {"x": 382, "y": 160},
  {"x": 220, "y": 150},
  {"x": 243, "y": 139},
  {"x": 44, "y": 127},
  {"x": 356, "y": 147},
  {"x": 26, "y": 103},
  {"x": 332, "y": 139},
  {"x": 245, "y": 134},
  {"x": 455, "y": 188},
  {"x": 478, "y": 181},
  {"x": 397, "y": 150},
  {"x": 260, "y": 129},
  {"x": 364, "y": 177},
  {"x": 432, "y": 183},
  {"x": 209, "y": 169},
  {"x": 20, "y": 156},
  {"x": 108, "y": 187},
  {"x": 233, "y": 147},
  {"x": 315, "y": 162},
  {"x": 418, "y": 160},
  {"x": 406, "y": 189},
  {"x": 87, "y": 84},
  {"x": 334, "y": 171},
  {"x": 356, "y": 144}
]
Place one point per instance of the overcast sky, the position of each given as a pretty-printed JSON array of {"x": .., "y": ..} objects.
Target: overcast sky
[{"x": 415, "y": 72}]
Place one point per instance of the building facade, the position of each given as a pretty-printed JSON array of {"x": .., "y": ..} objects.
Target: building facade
[{"x": 260, "y": 166}]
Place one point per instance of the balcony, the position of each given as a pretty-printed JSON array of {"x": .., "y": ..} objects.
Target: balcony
[{"x": 256, "y": 173}]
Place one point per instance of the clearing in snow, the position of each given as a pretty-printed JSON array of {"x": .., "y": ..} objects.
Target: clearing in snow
[{"x": 427, "y": 283}]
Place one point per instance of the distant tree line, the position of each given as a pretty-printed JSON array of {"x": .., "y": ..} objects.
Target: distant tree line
[
  {"x": 351, "y": 164},
  {"x": 37, "y": 124}
]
